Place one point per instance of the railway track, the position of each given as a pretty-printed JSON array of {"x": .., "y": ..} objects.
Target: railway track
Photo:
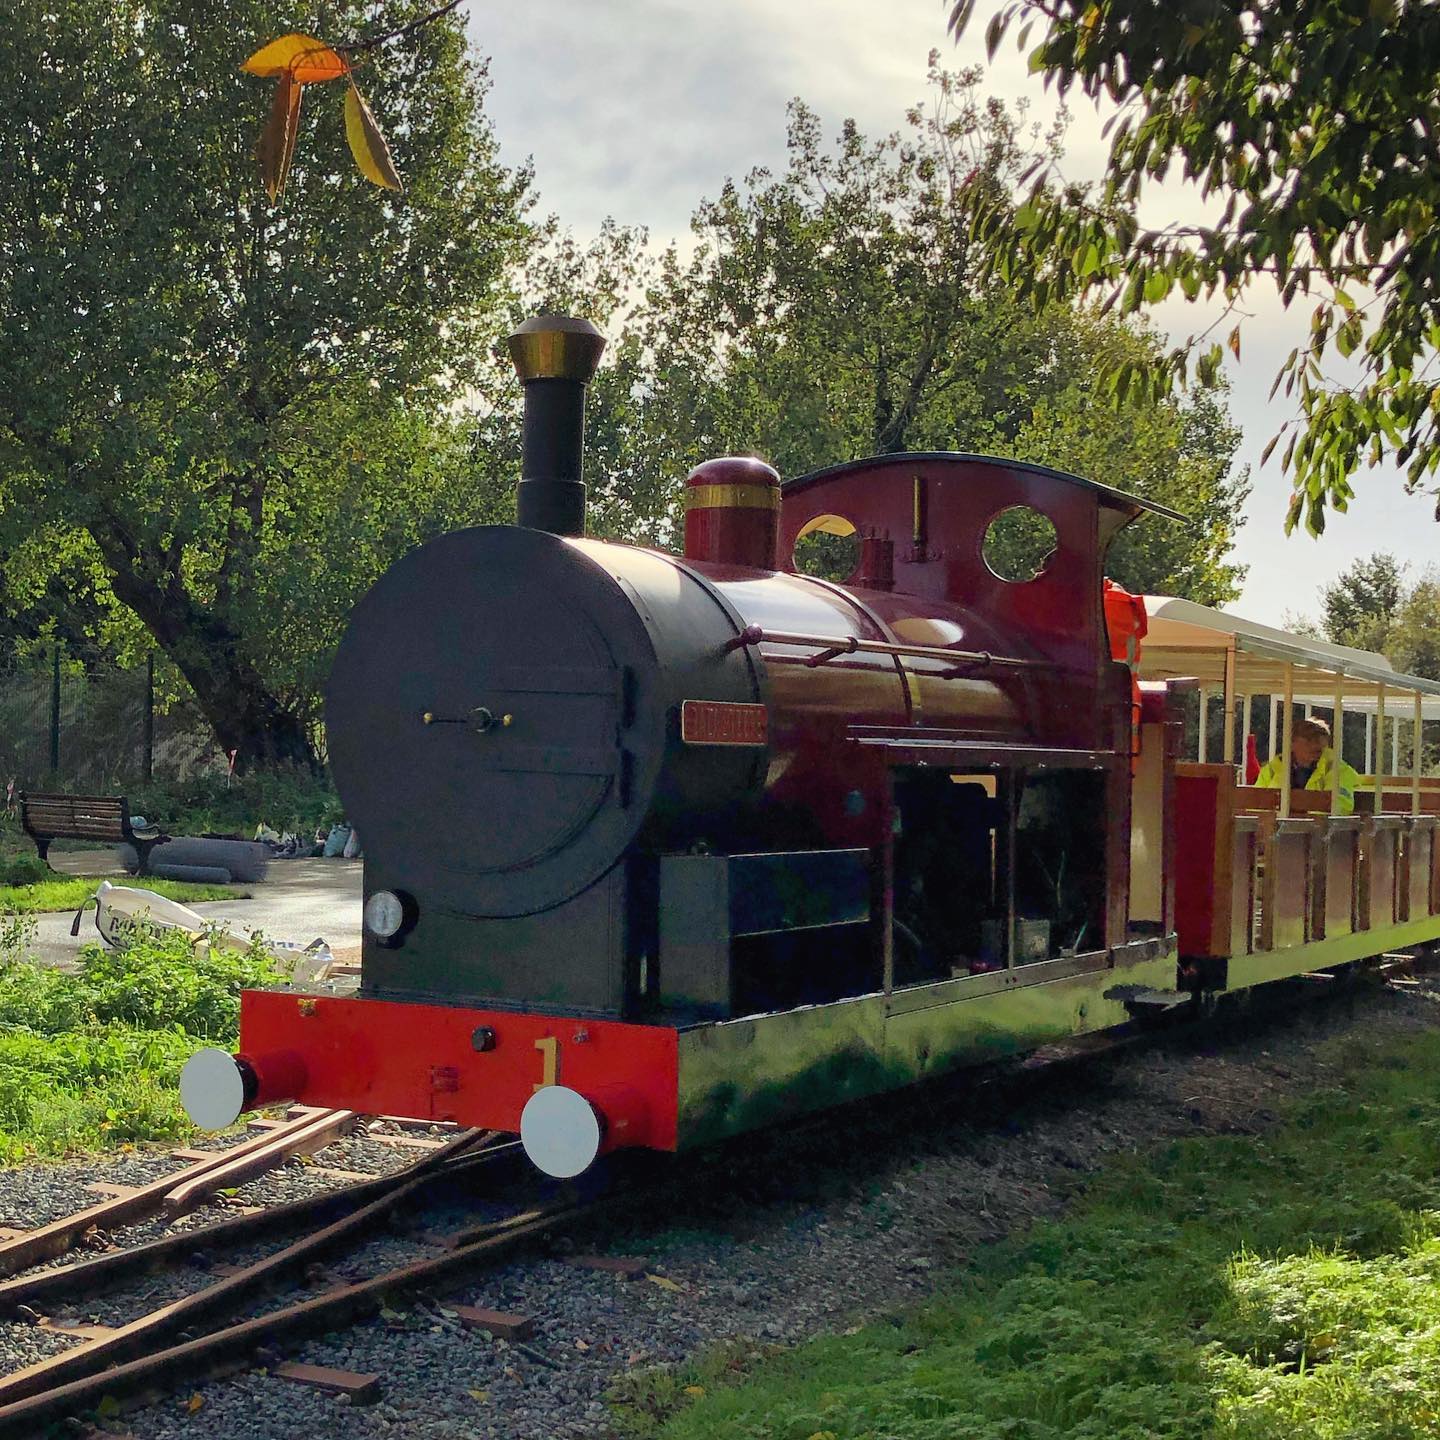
[
  {"x": 304, "y": 1132},
  {"x": 199, "y": 1332}
]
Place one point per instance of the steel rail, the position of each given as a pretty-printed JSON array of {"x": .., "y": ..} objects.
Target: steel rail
[
  {"x": 90, "y": 1277},
  {"x": 127, "y": 1340},
  {"x": 312, "y": 1130},
  {"x": 189, "y": 1193},
  {"x": 21, "y": 1418}
]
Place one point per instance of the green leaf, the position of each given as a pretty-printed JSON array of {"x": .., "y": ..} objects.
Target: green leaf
[{"x": 1321, "y": 183}]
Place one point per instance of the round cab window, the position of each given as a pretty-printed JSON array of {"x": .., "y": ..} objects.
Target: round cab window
[
  {"x": 827, "y": 548},
  {"x": 1019, "y": 543}
]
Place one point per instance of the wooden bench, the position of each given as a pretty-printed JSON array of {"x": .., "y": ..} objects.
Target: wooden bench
[{"x": 102, "y": 818}]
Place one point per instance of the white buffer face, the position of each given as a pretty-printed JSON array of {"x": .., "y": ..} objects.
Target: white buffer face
[
  {"x": 212, "y": 1090},
  {"x": 560, "y": 1131}
]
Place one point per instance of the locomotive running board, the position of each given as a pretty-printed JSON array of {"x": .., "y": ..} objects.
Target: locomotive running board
[{"x": 920, "y": 745}]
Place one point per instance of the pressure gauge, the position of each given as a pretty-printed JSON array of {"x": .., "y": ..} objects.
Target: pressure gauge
[{"x": 384, "y": 914}]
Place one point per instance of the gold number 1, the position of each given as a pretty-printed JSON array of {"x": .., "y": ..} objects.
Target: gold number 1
[{"x": 549, "y": 1047}]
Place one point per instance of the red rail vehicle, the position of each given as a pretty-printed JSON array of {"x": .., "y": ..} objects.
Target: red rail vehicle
[{"x": 660, "y": 848}]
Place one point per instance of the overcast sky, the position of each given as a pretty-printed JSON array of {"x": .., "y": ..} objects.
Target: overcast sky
[{"x": 639, "y": 108}]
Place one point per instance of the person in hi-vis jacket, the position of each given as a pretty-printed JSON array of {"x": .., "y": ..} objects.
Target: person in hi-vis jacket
[{"x": 1312, "y": 763}]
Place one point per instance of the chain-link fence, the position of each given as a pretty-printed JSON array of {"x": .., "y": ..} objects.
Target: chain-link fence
[{"x": 94, "y": 730}]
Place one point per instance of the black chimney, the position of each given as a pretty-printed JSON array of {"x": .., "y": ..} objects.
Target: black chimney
[{"x": 555, "y": 356}]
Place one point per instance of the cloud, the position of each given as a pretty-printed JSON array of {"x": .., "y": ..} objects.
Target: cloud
[{"x": 640, "y": 110}]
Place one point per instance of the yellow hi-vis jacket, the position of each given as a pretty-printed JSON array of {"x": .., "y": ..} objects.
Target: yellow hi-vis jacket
[{"x": 1270, "y": 777}]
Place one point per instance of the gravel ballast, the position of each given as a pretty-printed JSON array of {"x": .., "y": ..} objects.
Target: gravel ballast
[{"x": 787, "y": 1236}]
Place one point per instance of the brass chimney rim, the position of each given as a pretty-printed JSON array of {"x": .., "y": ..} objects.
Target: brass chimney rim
[{"x": 556, "y": 347}]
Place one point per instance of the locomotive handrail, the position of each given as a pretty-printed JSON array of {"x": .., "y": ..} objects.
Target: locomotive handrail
[{"x": 831, "y": 646}]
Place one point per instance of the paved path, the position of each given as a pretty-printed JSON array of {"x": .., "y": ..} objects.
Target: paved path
[{"x": 297, "y": 900}]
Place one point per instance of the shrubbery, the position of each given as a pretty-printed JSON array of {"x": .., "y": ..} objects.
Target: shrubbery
[
  {"x": 284, "y": 798},
  {"x": 93, "y": 1057},
  {"x": 14, "y": 842},
  {"x": 23, "y": 870}
]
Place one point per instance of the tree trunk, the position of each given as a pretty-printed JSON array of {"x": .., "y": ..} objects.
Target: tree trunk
[
  {"x": 248, "y": 720},
  {"x": 892, "y": 421}
]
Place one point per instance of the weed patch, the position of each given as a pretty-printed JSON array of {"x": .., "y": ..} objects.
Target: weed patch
[
  {"x": 1221, "y": 1288},
  {"x": 649, "y": 1397},
  {"x": 1326, "y": 1344},
  {"x": 92, "y": 1058}
]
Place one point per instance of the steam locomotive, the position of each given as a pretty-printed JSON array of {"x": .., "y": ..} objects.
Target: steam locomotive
[{"x": 660, "y": 848}]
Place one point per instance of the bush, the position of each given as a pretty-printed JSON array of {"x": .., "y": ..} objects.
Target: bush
[
  {"x": 161, "y": 983},
  {"x": 13, "y": 840},
  {"x": 284, "y": 798},
  {"x": 23, "y": 870},
  {"x": 93, "y": 1057}
]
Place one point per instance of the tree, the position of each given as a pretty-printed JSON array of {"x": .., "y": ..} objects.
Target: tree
[
  {"x": 1413, "y": 644},
  {"x": 1360, "y": 605},
  {"x": 201, "y": 385},
  {"x": 50, "y": 595},
  {"x": 1178, "y": 451},
  {"x": 849, "y": 307},
  {"x": 839, "y": 309},
  {"x": 1370, "y": 605},
  {"x": 1313, "y": 129}
]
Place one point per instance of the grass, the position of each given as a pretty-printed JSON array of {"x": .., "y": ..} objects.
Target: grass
[
  {"x": 28, "y": 886},
  {"x": 1222, "y": 1288},
  {"x": 71, "y": 892},
  {"x": 91, "y": 1059}
]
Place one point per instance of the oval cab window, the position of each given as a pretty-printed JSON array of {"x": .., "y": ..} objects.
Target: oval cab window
[
  {"x": 1019, "y": 543},
  {"x": 827, "y": 548}
]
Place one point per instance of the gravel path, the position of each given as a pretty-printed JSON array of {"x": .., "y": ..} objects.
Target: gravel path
[{"x": 788, "y": 1236}]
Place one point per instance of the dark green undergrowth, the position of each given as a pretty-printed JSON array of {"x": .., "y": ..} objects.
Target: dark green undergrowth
[
  {"x": 91, "y": 1059},
  {"x": 23, "y": 870},
  {"x": 1222, "y": 1288},
  {"x": 284, "y": 799}
]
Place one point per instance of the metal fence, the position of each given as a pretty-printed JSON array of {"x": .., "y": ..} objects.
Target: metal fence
[{"x": 87, "y": 729}]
